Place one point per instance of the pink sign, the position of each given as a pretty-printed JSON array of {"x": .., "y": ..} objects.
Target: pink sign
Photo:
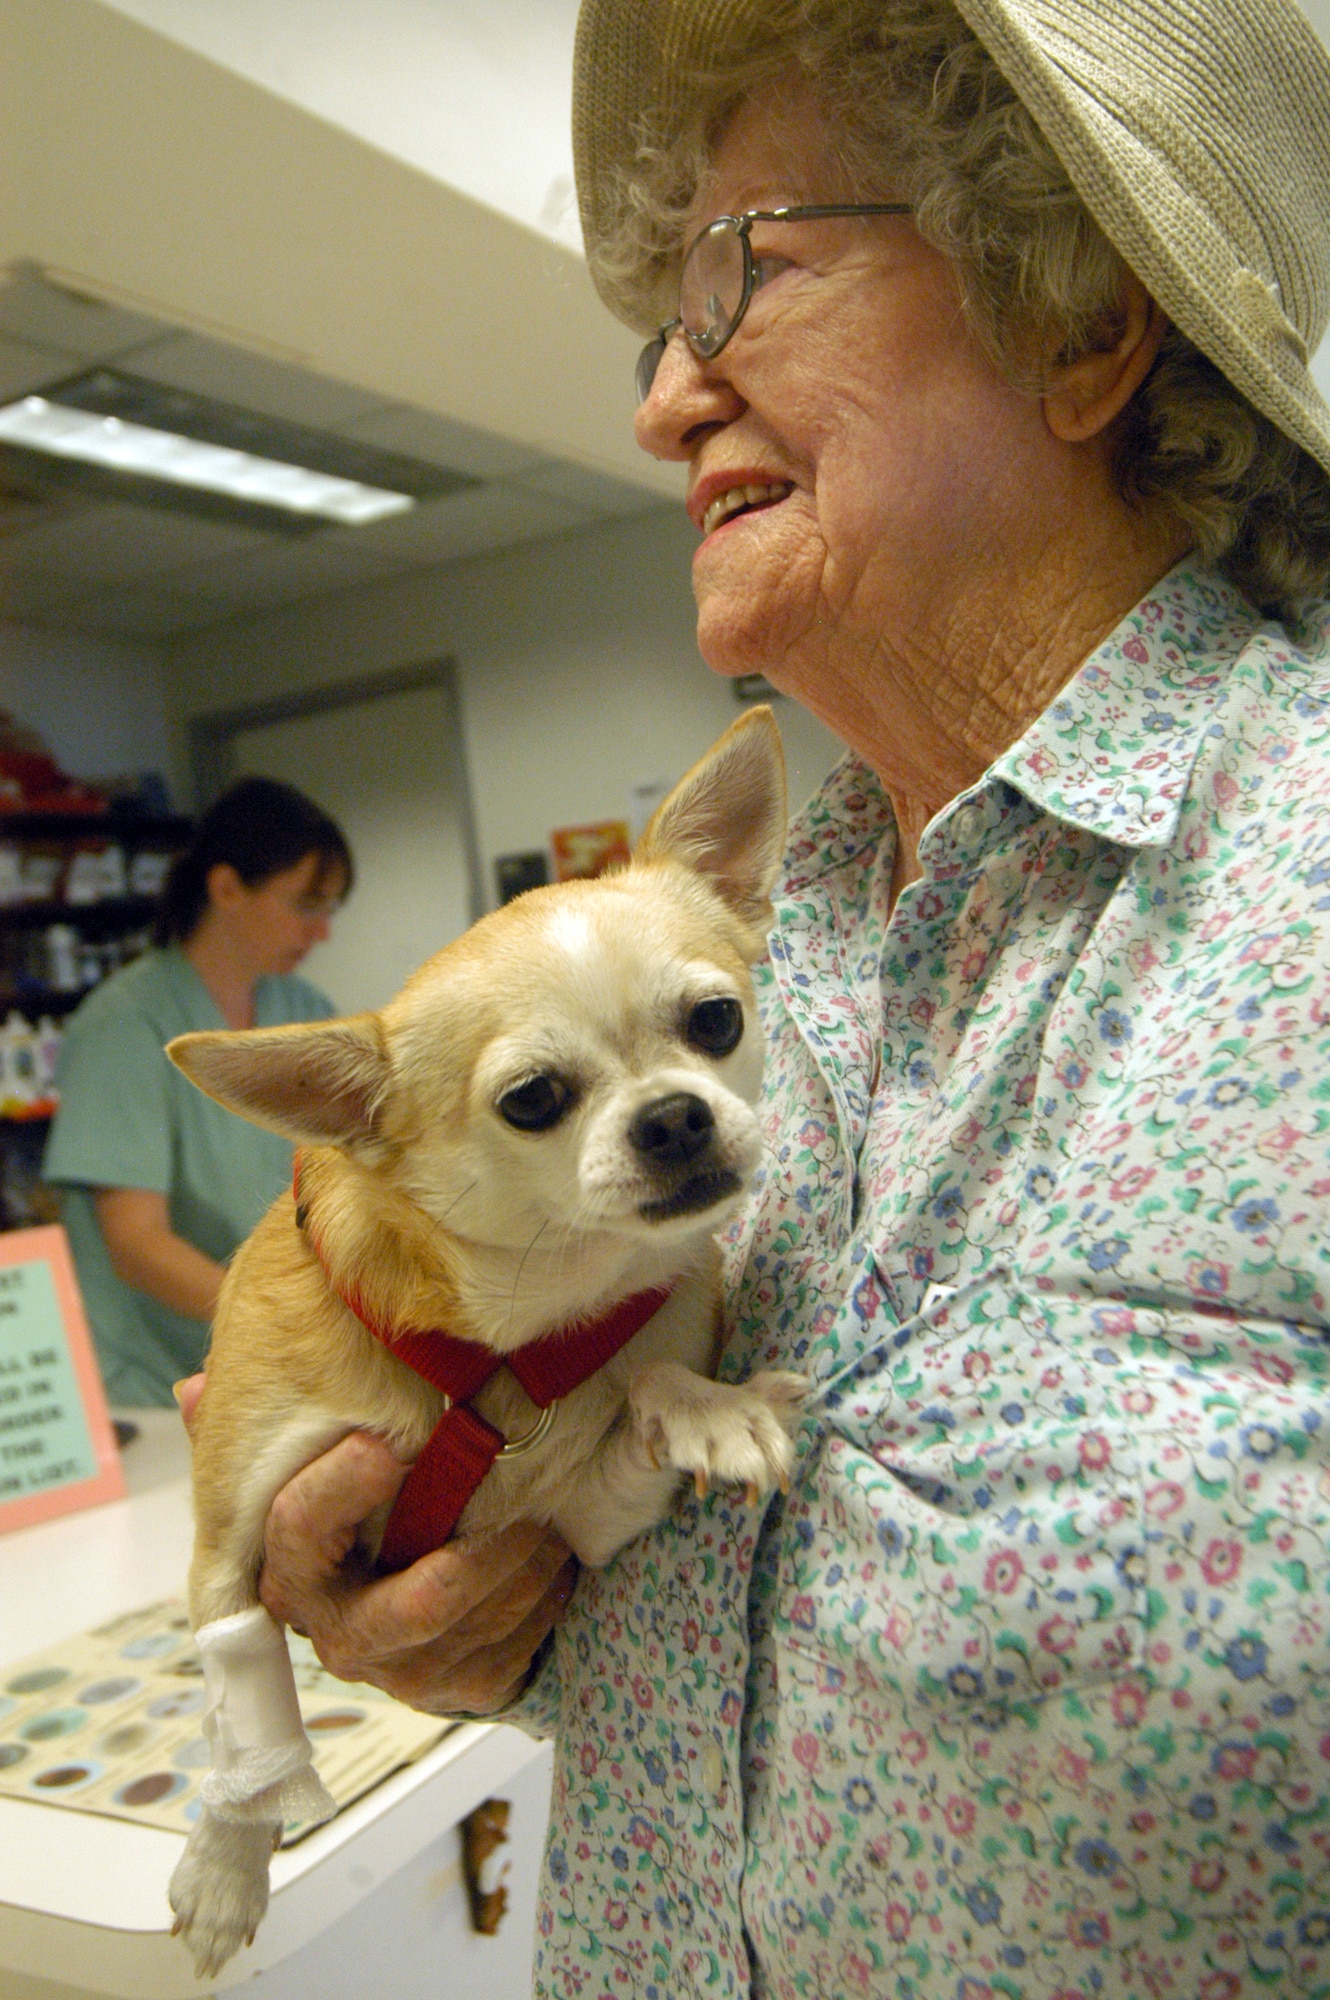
[{"x": 57, "y": 1448}]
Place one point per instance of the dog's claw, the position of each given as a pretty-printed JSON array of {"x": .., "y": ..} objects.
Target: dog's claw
[
  {"x": 700, "y": 1481},
  {"x": 177, "y": 1926},
  {"x": 750, "y": 1493}
]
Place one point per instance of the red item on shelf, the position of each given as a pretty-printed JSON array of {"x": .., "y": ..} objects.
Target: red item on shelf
[{"x": 31, "y": 782}]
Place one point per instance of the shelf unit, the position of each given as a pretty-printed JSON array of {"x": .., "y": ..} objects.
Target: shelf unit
[{"x": 105, "y": 932}]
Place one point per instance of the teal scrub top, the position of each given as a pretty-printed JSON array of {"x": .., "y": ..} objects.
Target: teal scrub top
[{"x": 128, "y": 1118}]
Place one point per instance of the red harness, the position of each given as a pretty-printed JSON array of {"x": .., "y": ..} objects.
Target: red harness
[{"x": 462, "y": 1446}]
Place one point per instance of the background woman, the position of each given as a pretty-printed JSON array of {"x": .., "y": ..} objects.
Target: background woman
[
  {"x": 982, "y": 333},
  {"x": 160, "y": 1184}
]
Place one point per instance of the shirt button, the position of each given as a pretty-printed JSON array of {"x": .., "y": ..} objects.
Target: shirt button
[
  {"x": 713, "y": 1771},
  {"x": 969, "y": 822}
]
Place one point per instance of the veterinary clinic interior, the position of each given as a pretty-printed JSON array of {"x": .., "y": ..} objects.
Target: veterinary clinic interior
[
  {"x": 341, "y": 237},
  {"x": 337, "y": 240}
]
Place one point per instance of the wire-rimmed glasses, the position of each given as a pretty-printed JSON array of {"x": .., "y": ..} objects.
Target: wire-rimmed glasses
[{"x": 717, "y": 279}]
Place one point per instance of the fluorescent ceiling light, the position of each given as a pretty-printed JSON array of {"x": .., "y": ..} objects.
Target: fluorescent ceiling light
[{"x": 40, "y": 425}]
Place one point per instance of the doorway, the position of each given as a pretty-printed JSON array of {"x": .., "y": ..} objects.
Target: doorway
[{"x": 384, "y": 756}]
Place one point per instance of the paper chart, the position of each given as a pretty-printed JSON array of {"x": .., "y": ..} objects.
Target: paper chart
[{"x": 111, "y": 1721}]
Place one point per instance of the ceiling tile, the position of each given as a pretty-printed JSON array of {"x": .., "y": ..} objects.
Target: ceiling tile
[
  {"x": 594, "y": 492},
  {"x": 254, "y": 381},
  {"x": 440, "y": 441},
  {"x": 116, "y": 543},
  {"x": 24, "y": 367},
  {"x": 127, "y": 611},
  {"x": 462, "y": 524},
  {"x": 281, "y": 572},
  {"x": 30, "y": 599},
  {"x": 70, "y": 322}
]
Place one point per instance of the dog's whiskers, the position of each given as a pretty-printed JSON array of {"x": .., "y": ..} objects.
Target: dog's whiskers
[
  {"x": 512, "y": 1303},
  {"x": 458, "y": 1197}
]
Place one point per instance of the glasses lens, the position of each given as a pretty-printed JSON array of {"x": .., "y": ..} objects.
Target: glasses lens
[
  {"x": 711, "y": 288},
  {"x": 648, "y": 361}
]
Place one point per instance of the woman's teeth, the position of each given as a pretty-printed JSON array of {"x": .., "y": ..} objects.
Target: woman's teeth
[{"x": 737, "y": 499}]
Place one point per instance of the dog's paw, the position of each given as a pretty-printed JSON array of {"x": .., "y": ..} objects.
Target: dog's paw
[
  {"x": 732, "y": 1434},
  {"x": 219, "y": 1890},
  {"x": 783, "y": 1393}
]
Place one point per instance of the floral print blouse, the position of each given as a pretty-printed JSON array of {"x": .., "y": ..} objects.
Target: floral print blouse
[{"x": 1025, "y": 1689}]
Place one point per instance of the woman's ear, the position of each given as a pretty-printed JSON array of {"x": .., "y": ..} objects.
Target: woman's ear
[
  {"x": 223, "y": 884},
  {"x": 1082, "y": 397}
]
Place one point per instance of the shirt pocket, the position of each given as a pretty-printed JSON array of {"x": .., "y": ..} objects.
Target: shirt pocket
[{"x": 951, "y": 1549}]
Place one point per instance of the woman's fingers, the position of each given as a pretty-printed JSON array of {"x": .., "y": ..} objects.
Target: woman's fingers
[
  {"x": 313, "y": 1524},
  {"x": 474, "y": 1595},
  {"x": 481, "y": 1681},
  {"x": 187, "y": 1393},
  {"x": 455, "y": 1631}
]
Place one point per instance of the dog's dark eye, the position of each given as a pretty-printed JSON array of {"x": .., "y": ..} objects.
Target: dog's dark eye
[
  {"x": 536, "y": 1104},
  {"x": 716, "y": 1026}
]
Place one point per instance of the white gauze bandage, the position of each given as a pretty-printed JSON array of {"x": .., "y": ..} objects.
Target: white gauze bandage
[{"x": 262, "y": 1761}]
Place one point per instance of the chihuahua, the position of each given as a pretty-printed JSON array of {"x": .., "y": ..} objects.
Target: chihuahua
[{"x": 500, "y": 1256}]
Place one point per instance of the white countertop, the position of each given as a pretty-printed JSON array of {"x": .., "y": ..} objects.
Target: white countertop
[
  {"x": 72, "y": 1573},
  {"x": 83, "y": 1898}
]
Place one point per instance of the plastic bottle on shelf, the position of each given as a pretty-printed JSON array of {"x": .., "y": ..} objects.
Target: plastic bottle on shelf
[
  {"x": 49, "y": 1038},
  {"x": 18, "y": 1066},
  {"x": 62, "y": 942}
]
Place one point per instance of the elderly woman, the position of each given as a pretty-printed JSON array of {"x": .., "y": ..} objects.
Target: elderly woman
[{"x": 983, "y": 335}]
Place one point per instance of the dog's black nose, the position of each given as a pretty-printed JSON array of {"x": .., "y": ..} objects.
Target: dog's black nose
[{"x": 673, "y": 1130}]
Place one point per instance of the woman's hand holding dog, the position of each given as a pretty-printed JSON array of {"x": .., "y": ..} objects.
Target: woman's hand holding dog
[{"x": 456, "y": 1632}]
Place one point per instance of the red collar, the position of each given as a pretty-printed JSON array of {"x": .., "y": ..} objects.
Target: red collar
[{"x": 462, "y": 1446}]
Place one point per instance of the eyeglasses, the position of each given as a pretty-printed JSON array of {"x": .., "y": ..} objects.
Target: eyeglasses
[{"x": 719, "y": 278}]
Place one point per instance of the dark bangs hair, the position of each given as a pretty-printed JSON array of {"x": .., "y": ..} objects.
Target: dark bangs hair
[{"x": 260, "y": 827}]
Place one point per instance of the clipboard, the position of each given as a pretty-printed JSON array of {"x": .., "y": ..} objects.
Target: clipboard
[{"x": 57, "y": 1445}]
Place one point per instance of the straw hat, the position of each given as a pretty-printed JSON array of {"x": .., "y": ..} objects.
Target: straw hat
[{"x": 1197, "y": 133}]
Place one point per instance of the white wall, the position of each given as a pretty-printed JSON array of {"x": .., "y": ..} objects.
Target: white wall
[
  {"x": 139, "y": 172},
  {"x": 578, "y": 667},
  {"x": 474, "y": 92},
  {"x": 98, "y": 703}
]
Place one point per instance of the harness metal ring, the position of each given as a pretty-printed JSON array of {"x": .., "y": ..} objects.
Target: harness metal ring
[{"x": 516, "y": 1446}]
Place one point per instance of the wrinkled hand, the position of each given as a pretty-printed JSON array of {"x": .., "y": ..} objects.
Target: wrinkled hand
[{"x": 454, "y": 1633}]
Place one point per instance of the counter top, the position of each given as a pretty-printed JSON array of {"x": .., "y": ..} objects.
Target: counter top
[
  {"x": 83, "y": 1898},
  {"x": 93, "y": 1565}
]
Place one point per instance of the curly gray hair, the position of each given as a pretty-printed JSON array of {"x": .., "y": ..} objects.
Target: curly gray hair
[{"x": 921, "y": 113}]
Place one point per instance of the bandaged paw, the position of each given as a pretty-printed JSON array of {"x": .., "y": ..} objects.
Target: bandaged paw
[
  {"x": 262, "y": 1775},
  {"x": 262, "y": 1762}
]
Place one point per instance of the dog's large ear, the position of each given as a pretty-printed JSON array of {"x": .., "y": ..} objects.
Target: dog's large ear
[
  {"x": 321, "y": 1084},
  {"x": 726, "y": 818}
]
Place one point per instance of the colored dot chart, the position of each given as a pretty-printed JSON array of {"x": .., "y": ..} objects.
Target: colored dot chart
[{"x": 111, "y": 1721}]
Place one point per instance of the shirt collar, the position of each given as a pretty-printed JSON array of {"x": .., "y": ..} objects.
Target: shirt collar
[
  {"x": 1114, "y": 752},
  {"x": 848, "y": 817}
]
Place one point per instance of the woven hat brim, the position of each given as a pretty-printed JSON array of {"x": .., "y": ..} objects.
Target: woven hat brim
[
  {"x": 1225, "y": 293},
  {"x": 1225, "y": 304},
  {"x": 634, "y": 58}
]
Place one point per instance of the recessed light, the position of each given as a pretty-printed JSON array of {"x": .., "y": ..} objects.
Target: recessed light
[{"x": 39, "y": 424}]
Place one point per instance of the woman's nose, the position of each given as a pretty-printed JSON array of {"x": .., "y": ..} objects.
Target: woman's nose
[{"x": 687, "y": 396}]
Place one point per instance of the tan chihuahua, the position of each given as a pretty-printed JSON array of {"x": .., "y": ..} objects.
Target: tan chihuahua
[{"x": 500, "y": 1257}]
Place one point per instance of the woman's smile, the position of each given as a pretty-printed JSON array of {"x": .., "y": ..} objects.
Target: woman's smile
[{"x": 720, "y": 498}]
